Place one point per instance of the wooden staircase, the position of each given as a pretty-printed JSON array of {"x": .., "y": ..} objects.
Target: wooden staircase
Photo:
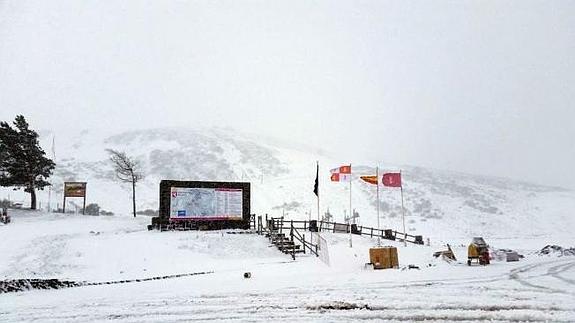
[
  {"x": 283, "y": 243},
  {"x": 286, "y": 237}
]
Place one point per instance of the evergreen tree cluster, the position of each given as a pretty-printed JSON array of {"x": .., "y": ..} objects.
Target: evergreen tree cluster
[{"x": 23, "y": 163}]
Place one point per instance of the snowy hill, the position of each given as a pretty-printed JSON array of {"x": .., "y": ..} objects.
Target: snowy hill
[{"x": 439, "y": 204}]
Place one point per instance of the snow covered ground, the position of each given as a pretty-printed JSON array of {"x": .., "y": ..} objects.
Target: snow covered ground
[{"x": 99, "y": 249}]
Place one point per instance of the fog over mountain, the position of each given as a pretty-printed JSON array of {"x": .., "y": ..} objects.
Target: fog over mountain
[
  {"x": 483, "y": 87},
  {"x": 439, "y": 204}
]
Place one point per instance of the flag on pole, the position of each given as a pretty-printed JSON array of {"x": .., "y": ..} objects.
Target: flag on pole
[
  {"x": 341, "y": 174},
  {"x": 316, "y": 186},
  {"x": 371, "y": 179},
  {"x": 391, "y": 179}
]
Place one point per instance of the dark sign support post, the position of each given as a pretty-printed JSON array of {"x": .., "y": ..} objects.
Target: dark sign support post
[{"x": 84, "y": 205}]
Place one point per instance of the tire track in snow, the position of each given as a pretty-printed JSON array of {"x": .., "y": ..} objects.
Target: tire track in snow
[
  {"x": 555, "y": 271},
  {"x": 467, "y": 280},
  {"x": 270, "y": 310},
  {"x": 261, "y": 310},
  {"x": 407, "y": 302},
  {"x": 41, "y": 256}
]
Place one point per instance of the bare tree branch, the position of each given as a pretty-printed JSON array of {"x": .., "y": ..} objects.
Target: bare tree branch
[{"x": 127, "y": 170}]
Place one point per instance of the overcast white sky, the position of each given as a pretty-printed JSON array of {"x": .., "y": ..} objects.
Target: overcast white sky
[{"x": 485, "y": 87}]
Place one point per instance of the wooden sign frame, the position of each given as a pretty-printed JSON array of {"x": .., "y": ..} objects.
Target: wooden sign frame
[{"x": 75, "y": 189}]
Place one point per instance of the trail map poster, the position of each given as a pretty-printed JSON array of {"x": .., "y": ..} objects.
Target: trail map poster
[{"x": 205, "y": 203}]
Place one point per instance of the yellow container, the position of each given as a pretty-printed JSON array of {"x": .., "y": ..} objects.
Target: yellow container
[
  {"x": 472, "y": 251},
  {"x": 383, "y": 257}
]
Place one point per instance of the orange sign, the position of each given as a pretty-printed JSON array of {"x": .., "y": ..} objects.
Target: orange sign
[{"x": 74, "y": 189}]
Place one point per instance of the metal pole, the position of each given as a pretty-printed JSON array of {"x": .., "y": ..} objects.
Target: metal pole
[
  {"x": 318, "y": 216},
  {"x": 64, "y": 204},
  {"x": 377, "y": 178},
  {"x": 54, "y": 160},
  {"x": 49, "y": 198},
  {"x": 350, "y": 209},
  {"x": 84, "y": 206},
  {"x": 403, "y": 214}
]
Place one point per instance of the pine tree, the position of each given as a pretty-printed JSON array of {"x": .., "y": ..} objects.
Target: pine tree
[{"x": 22, "y": 161}]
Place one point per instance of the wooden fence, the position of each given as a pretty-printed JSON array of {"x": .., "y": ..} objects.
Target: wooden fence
[{"x": 281, "y": 225}]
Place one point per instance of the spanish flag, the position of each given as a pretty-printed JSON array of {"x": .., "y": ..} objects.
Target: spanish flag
[{"x": 371, "y": 179}]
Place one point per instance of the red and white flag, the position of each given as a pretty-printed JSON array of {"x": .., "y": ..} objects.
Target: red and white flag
[
  {"x": 341, "y": 174},
  {"x": 391, "y": 179}
]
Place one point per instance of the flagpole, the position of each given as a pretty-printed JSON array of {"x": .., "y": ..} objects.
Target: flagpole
[
  {"x": 403, "y": 214},
  {"x": 50, "y": 186},
  {"x": 378, "y": 230},
  {"x": 316, "y": 191},
  {"x": 317, "y": 176},
  {"x": 350, "y": 209}
]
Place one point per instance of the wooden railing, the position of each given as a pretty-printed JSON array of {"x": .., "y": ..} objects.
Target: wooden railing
[
  {"x": 327, "y": 226},
  {"x": 295, "y": 234}
]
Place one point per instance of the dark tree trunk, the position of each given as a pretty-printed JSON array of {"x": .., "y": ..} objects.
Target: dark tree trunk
[
  {"x": 134, "y": 196},
  {"x": 32, "y": 198}
]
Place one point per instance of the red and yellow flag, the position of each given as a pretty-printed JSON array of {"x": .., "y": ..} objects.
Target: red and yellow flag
[{"x": 371, "y": 179}]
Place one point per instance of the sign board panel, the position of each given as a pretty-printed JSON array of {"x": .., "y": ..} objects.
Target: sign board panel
[
  {"x": 206, "y": 203},
  {"x": 340, "y": 228},
  {"x": 74, "y": 189},
  {"x": 322, "y": 249},
  {"x": 215, "y": 205}
]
